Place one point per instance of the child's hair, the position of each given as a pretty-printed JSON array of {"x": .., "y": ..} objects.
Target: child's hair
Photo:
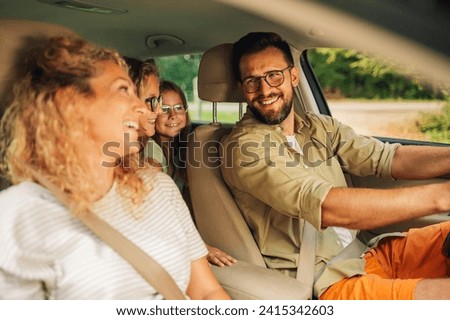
[
  {"x": 140, "y": 70},
  {"x": 178, "y": 146}
]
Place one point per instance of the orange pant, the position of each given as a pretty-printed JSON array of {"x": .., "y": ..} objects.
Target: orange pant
[{"x": 396, "y": 265}]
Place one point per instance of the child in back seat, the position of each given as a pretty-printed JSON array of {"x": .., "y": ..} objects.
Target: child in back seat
[{"x": 168, "y": 125}]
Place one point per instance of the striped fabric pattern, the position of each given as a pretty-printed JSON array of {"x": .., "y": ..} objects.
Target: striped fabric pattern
[{"x": 49, "y": 254}]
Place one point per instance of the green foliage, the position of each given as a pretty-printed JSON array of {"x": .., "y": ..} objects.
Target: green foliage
[
  {"x": 182, "y": 70},
  {"x": 223, "y": 116},
  {"x": 346, "y": 73},
  {"x": 351, "y": 74},
  {"x": 436, "y": 126}
]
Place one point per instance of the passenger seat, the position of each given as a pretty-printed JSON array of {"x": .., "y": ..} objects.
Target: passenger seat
[{"x": 217, "y": 216}]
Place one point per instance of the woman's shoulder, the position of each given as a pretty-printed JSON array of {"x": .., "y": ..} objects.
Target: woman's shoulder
[
  {"x": 158, "y": 180},
  {"x": 24, "y": 193},
  {"x": 163, "y": 195},
  {"x": 28, "y": 201}
]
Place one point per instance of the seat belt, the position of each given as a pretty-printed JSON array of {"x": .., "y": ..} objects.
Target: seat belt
[
  {"x": 353, "y": 250},
  {"x": 307, "y": 256},
  {"x": 144, "y": 264}
]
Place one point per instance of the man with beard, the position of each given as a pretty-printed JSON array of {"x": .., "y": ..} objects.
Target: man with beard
[{"x": 284, "y": 168}]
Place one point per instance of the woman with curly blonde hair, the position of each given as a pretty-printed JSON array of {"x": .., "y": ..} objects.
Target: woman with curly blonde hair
[
  {"x": 75, "y": 119},
  {"x": 43, "y": 126}
]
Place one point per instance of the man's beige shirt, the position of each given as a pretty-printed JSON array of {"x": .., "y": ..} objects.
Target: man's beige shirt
[{"x": 274, "y": 185}]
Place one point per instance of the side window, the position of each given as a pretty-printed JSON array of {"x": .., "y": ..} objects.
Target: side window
[
  {"x": 376, "y": 98},
  {"x": 183, "y": 70}
]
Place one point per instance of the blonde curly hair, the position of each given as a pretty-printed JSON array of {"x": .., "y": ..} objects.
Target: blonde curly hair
[{"x": 41, "y": 133}]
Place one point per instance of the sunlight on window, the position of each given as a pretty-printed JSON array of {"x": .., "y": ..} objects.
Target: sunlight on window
[{"x": 376, "y": 98}]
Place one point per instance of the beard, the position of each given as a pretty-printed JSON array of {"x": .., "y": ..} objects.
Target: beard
[{"x": 274, "y": 118}]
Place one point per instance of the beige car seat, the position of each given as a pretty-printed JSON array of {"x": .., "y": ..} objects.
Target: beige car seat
[{"x": 216, "y": 214}]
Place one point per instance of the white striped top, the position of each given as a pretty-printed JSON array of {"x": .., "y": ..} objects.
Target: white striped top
[{"x": 49, "y": 254}]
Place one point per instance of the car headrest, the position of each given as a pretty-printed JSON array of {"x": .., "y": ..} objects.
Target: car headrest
[
  {"x": 216, "y": 82},
  {"x": 17, "y": 37}
]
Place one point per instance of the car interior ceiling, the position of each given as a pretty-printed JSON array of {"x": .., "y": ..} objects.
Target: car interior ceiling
[{"x": 133, "y": 28}]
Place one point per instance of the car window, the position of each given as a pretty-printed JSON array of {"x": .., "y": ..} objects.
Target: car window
[
  {"x": 375, "y": 97},
  {"x": 183, "y": 70}
]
